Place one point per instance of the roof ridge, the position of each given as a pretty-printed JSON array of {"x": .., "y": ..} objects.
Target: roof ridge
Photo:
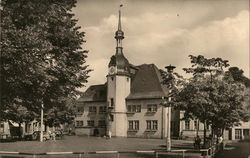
[
  {"x": 97, "y": 85},
  {"x": 158, "y": 74}
]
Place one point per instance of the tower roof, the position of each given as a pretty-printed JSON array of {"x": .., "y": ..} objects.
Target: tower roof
[
  {"x": 119, "y": 34},
  {"x": 119, "y": 60}
]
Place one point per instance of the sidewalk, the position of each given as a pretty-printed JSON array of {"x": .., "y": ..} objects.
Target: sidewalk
[{"x": 235, "y": 150}]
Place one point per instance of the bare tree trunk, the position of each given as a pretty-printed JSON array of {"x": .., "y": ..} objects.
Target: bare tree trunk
[
  {"x": 20, "y": 131},
  {"x": 222, "y": 132},
  {"x": 204, "y": 134},
  {"x": 212, "y": 130},
  {"x": 197, "y": 127}
]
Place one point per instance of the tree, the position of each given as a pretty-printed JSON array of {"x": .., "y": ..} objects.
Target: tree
[
  {"x": 41, "y": 59},
  {"x": 228, "y": 98},
  {"x": 210, "y": 96},
  {"x": 56, "y": 116},
  {"x": 237, "y": 75}
]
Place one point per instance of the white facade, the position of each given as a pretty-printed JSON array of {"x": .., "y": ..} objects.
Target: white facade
[
  {"x": 118, "y": 90},
  {"x": 241, "y": 132}
]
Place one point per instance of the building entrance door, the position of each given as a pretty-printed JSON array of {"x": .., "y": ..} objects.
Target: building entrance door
[
  {"x": 246, "y": 133},
  {"x": 230, "y": 134}
]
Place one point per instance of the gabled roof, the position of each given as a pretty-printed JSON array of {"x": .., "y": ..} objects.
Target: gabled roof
[
  {"x": 94, "y": 93},
  {"x": 146, "y": 83}
]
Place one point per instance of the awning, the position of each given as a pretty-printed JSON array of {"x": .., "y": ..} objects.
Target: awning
[{"x": 14, "y": 123}]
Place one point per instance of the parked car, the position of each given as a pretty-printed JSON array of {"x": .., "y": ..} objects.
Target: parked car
[
  {"x": 59, "y": 134},
  {"x": 28, "y": 136},
  {"x": 36, "y": 136}
]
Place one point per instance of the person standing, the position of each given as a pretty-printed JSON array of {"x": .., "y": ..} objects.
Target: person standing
[{"x": 53, "y": 136}]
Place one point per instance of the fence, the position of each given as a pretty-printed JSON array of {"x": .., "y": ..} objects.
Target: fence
[
  {"x": 210, "y": 152},
  {"x": 204, "y": 152}
]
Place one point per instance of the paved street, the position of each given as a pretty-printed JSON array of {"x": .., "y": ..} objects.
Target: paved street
[{"x": 236, "y": 150}]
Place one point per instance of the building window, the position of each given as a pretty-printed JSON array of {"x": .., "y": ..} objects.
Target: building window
[
  {"x": 148, "y": 124},
  {"x": 138, "y": 108},
  {"x": 152, "y": 124},
  {"x": 134, "y": 108},
  {"x": 133, "y": 125},
  {"x": 112, "y": 102},
  {"x": 207, "y": 126},
  {"x": 137, "y": 125},
  {"x": 130, "y": 125},
  {"x": 155, "y": 125},
  {"x": 91, "y": 123},
  {"x": 129, "y": 107},
  {"x": 238, "y": 134},
  {"x": 101, "y": 123},
  {"x": 80, "y": 109},
  {"x": 79, "y": 123},
  {"x": 152, "y": 108},
  {"x": 92, "y": 109},
  {"x": 187, "y": 125},
  {"x": 196, "y": 124},
  {"x": 102, "y": 109}
]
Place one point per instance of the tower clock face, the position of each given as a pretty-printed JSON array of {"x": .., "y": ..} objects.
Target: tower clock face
[{"x": 112, "y": 70}]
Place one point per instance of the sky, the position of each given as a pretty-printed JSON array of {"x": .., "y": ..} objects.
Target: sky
[{"x": 164, "y": 32}]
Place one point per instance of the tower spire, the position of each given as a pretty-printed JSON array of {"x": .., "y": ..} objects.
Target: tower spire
[
  {"x": 119, "y": 34},
  {"x": 119, "y": 21}
]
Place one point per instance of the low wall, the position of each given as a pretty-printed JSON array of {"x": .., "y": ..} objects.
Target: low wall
[
  {"x": 192, "y": 133},
  {"x": 90, "y": 131}
]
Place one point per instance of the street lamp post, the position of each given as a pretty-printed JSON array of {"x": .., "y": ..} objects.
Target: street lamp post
[
  {"x": 170, "y": 69},
  {"x": 41, "y": 126}
]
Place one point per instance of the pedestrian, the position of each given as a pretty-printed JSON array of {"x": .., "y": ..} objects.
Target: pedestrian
[
  {"x": 70, "y": 130},
  {"x": 181, "y": 135},
  {"x": 54, "y": 136},
  {"x": 109, "y": 134},
  {"x": 220, "y": 139},
  {"x": 197, "y": 142},
  {"x": 50, "y": 134}
]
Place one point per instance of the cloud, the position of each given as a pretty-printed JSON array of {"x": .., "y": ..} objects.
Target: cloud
[
  {"x": 164, "y": 38},
  {"x": 228, "y": 38}
]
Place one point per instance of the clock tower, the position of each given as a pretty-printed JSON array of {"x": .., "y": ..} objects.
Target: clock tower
[{"x": 118, "y": 84}]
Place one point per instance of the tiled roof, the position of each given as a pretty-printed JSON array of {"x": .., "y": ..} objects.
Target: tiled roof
[
  {"x": 147, "y": 83},
  {"x": 94, "y": 93}
]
